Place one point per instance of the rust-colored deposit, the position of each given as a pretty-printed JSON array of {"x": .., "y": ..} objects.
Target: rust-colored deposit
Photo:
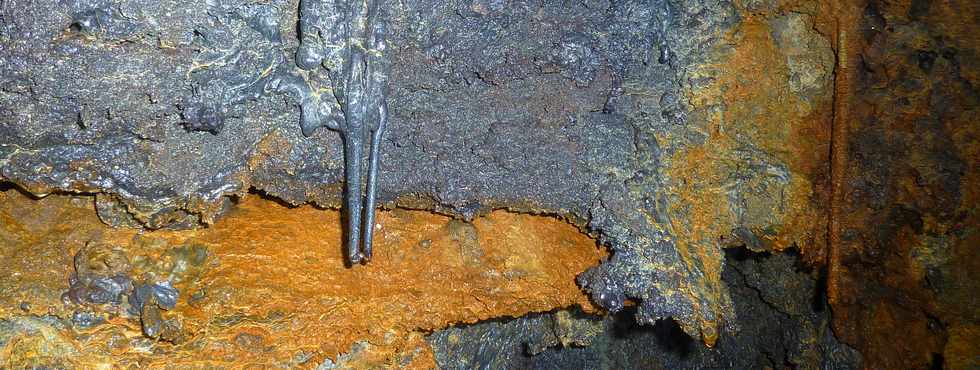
[
  {"x": 267, "y": 285},
  {"x": 758, "y": 177},
  {"x": 903, "y": 282},
  {"x": 864, "y": 114},
  {"x": 768, "y": 105}
]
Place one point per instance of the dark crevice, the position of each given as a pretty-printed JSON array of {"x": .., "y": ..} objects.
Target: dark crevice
[
  {"x": 8, "y": 185},
  {"x": 272, "y": 198},
  {"x": 743, "y": 253},
  {"x": 783, "y": 334},
  {"x": 75, "y": 27},
  {"x": 819, "y": 302},
  {"x": 938, "y": 362},
  {"x": 670, "y": 337}
]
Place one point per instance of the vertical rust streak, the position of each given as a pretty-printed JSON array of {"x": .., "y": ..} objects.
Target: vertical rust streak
[{"x": 838, "y": 146}]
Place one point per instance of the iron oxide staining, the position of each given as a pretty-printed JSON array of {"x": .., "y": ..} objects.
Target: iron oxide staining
[{"x": 267, "y": 284}]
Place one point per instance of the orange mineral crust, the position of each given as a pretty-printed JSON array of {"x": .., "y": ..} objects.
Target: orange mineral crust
[{"x": 267, "y": 285}]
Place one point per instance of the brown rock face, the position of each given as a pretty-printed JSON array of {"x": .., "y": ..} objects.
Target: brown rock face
[
  {"x": 905, "y": 225},
  {"x": 267, "y": 285}
]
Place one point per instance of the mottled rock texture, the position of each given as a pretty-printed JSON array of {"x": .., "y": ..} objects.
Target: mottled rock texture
[
  {"x": 668, "y": 130},
  {"x": 906, "y": 260},
  {"x": 166, "y": 109},
  {"x": 784, "y": 323},
  {"x": 266, "y": 285}
]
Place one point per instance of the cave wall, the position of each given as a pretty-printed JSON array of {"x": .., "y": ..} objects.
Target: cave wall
[
  {"x": 784, "y": 323},
  {"x": 905, "y": 209},
  {"x": 668, "y": 130},
  {"x": 615, "y": 88}
]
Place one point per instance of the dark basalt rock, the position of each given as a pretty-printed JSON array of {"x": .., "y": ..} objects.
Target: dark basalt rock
[
  {"x": 784, "y": 322},
  {"x": 101, "y": 275},
  {"x": 521, "y": 105},
  {"x": 162, "y": 294}
]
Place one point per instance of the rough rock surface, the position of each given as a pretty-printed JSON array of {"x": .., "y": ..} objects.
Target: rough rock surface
[
  {"x": 908, "y": 221},
  {"x": 666, "y": 129},
  {"x": 784, "y": 323},
  {"x": 266, "y": 285},
  {"x": 166, "y": 109}
]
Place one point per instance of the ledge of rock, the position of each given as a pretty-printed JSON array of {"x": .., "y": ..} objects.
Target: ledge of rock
[{"x": 191, "y": 144}]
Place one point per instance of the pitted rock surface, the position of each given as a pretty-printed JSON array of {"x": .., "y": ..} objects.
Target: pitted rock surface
[{"x": 167, "y": 108}]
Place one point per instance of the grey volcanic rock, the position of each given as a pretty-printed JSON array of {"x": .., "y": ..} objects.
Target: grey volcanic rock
[
  {"x": 167, "y": 108},
  {"x": 784, "y": 322}
]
